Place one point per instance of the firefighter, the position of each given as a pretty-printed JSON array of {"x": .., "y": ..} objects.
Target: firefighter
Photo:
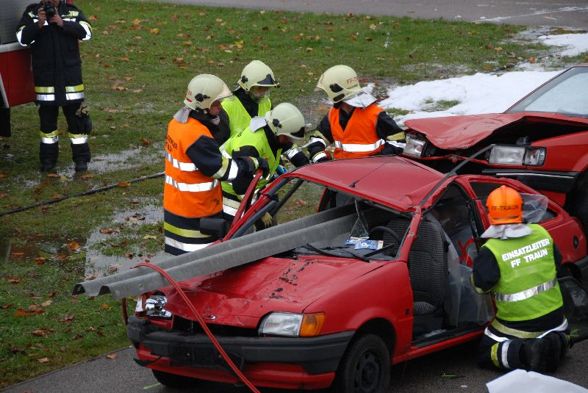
[
  {"x": 355, "y": 125},
  {"x": 251, "y": 97},
  {"x": 194, "y": 166},
  {"x": 52, "y": 29},
  {"x": 518, "y": 266},
  {"x": 266, "y": 137}
]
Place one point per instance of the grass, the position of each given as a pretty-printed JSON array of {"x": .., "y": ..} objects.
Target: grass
[{"x": 136, "y": 70}]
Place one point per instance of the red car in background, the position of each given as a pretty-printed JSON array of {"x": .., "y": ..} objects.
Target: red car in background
[
  {"x": 542, "y": 140},
  {"x": 369, "y": 266}
]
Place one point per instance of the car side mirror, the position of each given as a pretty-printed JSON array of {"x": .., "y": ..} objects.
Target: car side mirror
[{"x": 214, "y": 226}]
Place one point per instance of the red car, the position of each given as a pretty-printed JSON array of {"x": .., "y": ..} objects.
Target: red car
[
  {"x": 541, "y": 140},
  {"x": 368, "y": 267}
]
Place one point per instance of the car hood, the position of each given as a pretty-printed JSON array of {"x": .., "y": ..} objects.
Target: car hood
[
  {"x": 462, "y": 132},
  {"x": 242, "y": 295}
]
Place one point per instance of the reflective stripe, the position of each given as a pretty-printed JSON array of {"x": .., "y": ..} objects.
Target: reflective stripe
[
  {"x": 45, "y": 97},
  {"x": 359, "y": 148},
  {"x": 44, "y": 89},
  {"x": 74, "y": 96},
  {"x": 233, "y": 171},
  {"x": 504, "y": 353},
  {"x": 191, "y": 233},
  {"x": 319, "y": 156},
  {"x": 225, "y": 154},
  {"x": 184, "y": 246},
  {"x": 494, "y": 355},
  {"x": 230, "y": 206},
  {"x": 195, "y": 187},
  {"x": 73, "y": 89},
  {"x": 19, "y": 36},
  {"x": 526, "y": 294},
  {"x": 78, "y": 139},
  {"x": 498, "y": 326},
  {"x": 182, "y": 166},
  {"x": 88, "y": 30},
  {"x": 49, "y": 138},
  {"x": 292, "y": 152}
]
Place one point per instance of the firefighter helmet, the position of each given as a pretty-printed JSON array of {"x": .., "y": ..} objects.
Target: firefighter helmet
[
  {"x": 505, "y": 206},
  {"x": 203, "y": 90},
  {"x": 257, "y": 73},
  {"x": 286, "y": 119},
  {"x": 340, "y": 82}
]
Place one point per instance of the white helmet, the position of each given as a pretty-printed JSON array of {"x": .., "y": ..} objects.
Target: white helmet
[
  {"x": 340, "y": 82},
  {"x": 203, "y": 90},
  {"x": 286, "y": 119},
  {"x": 257, "y": 73}
]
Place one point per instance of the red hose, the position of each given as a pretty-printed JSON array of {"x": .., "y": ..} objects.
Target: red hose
[{"x": 198, "y": 317}]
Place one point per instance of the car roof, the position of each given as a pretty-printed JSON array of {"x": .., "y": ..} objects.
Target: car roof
[{"x": 392, "y": 181}]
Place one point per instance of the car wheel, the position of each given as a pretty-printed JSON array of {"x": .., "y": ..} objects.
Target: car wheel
[
  {"x": 173, "y": 380},
  {"x": 579, "y": 202},
  {"x": 365, "y": 367}
]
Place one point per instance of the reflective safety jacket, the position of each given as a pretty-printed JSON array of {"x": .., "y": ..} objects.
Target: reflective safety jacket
[
  {"x": 57, "y": 66},
  {"x": 359, "y": 138},
  {"x": 528, "y": 286},
  {"x": 239, "y": 118},
  {"x": 187, "y": 191},
  {"x": 257, "y": 140}
]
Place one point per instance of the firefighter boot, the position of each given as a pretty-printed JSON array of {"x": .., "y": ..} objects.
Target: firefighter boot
[
  {"x": 48, "y": 153},
  {"x": 81, "y": 156}
]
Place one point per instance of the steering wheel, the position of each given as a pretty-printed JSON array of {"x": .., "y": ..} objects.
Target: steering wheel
[{"x": 389, "y": 231}]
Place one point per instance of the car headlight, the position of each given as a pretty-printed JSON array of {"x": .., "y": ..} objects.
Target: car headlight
[
  {"x": 155, "y": 307},
  {"x": 414, "y": 145},
  {"x": 292, "y": 324},
  {"x": 517, "y": 155}
]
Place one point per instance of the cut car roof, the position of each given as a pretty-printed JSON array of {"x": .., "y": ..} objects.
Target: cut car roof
[{"x": 392, "y": 181}]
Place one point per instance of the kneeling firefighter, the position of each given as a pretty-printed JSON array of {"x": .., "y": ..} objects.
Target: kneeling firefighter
[
  {"x": 518, "y": 265},
  {"x": 194, "y": 166}
]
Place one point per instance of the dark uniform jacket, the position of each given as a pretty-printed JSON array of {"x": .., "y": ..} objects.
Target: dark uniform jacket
[{"x": 57, "y": 66}]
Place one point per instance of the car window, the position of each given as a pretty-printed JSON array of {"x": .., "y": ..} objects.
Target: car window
[
  {"x": 566, "y": 94},
  {"x": 482, "y": 191},
  {"x": 459, "y": 221}
]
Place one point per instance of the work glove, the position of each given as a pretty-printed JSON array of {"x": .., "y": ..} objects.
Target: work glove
[
  {"x": 83, "y": 122},
  {"x": 267, "y": 220},
  {"x": 261, "y": 163}
]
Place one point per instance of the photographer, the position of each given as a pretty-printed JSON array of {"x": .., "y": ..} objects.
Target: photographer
[{"x": 52, "y": 30}]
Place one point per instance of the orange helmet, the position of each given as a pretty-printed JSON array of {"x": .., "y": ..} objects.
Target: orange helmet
[{"x": 505, "y": 206}]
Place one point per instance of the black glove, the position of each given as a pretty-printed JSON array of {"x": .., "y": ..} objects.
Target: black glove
[
  {"x": 262, "y": 164},
  {"x": 83, "y": 122}
]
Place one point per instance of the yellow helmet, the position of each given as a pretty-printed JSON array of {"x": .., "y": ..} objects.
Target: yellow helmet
[
  {"x": 257, "y": 73},
  {"x": 203, "y": 90},
  {"x": 340, "y": 82},
  {"x": 286, "y": 119}
]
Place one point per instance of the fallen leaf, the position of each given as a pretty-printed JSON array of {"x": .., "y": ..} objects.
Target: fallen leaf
[
  {"x": 41, "y": 332},
  {"x": 47, "y": 303},
  {"x": 13, "y": 279},
  {"x": 43, "y": 360},
  {"x": 145, "y": 142},
  {"x": 111, "y": 356},
  {"x": 17, "y": 254},
  {"x": 73, "y": 246},
  {"x": 149, "y": 237},
  {"x": 40, "y": 260},
  {"x": 68, "y": 318},
  {"x": 123, "y": 184},
  {"x": 154, "y": 31},
  {"x": 107, "y": 231},
  {"x": 105, "y": 306}
]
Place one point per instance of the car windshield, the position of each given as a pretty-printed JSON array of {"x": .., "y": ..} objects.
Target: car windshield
[
  {"x": 565, "y": 94},
  {"x": 357, "y": 227}
]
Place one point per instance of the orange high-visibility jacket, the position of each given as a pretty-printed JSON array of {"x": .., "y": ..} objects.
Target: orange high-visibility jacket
[
  {"x": 359, "y": 139},
  {"x": 187, "y": 191}
]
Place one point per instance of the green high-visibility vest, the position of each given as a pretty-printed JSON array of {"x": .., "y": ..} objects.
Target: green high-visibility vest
[
  {"x": 528, "y": 286},
  {"x": 259, "y": 141},
  {"x": 239, "y": 119}
]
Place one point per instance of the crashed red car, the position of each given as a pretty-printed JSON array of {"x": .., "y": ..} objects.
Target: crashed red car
[
  {"x": 368, "y": 267},
  {"x": 541, "y": 140}
]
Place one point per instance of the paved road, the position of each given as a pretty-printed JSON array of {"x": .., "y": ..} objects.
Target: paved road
[
  {"x": 449, "y": 371},
  {"x": 570, "y": 13}
]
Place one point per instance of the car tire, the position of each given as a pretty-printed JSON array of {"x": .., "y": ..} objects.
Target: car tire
[
  {"x": 173, "y": 380},
  {"x": 365, "y": 367}
]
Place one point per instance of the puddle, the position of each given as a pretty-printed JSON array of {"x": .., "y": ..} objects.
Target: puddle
[{"x": 98, "y": 264}]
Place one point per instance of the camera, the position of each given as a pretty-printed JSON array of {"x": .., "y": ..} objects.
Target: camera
[{"x": 49, "y": 10}]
